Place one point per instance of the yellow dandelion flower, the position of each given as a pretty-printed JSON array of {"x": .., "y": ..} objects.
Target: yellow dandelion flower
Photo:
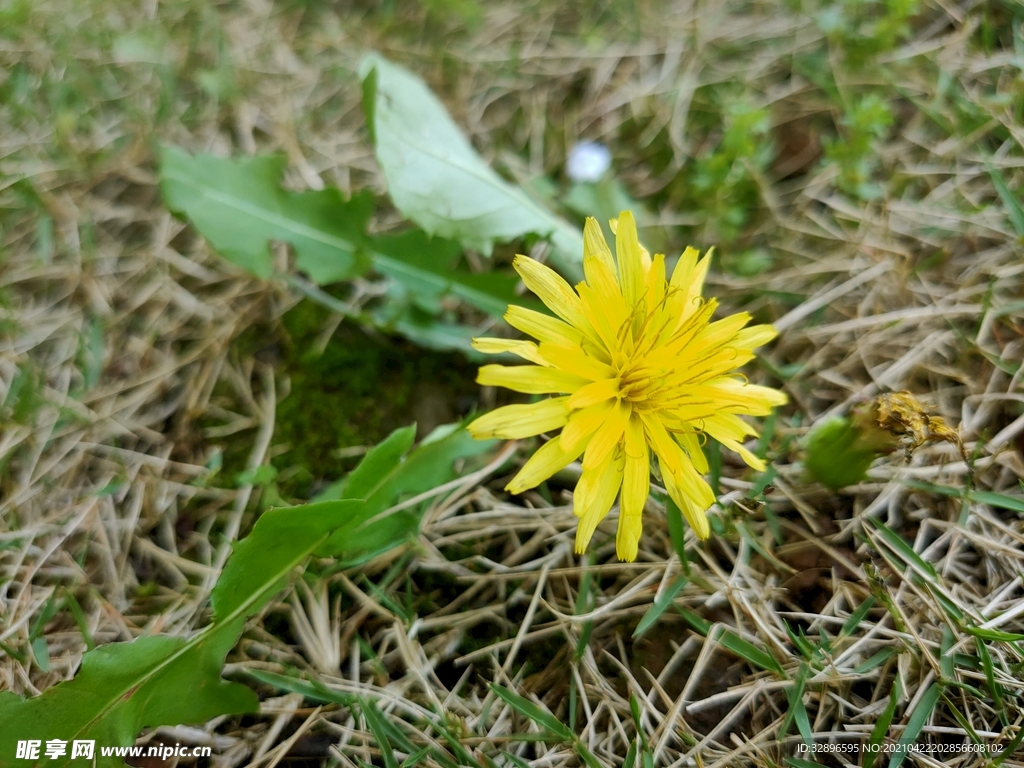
[{"x": 636, "y": 367}]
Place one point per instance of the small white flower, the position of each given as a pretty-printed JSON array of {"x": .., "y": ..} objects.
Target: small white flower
[{"x": 588, "y": 161}]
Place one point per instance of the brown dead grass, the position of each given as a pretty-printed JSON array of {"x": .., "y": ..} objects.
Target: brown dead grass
[{"x": 103, "y": 491}]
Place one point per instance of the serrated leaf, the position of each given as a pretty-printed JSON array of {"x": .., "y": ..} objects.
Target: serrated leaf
[
  {"x": 239, "y": 206},
  {"x": 122, "y": 688},
  {"x": 387, "y": 478},
  {"x": 436, "y": 178}
]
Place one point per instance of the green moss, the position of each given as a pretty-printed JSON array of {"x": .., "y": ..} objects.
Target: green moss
[{"x": 353, "y": 393}]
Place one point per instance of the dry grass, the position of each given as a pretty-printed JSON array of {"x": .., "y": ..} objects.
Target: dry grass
[{"x": 106, "y": 490}]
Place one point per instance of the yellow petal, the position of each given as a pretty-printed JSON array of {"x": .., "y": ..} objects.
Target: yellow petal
[
  {"x": 607, "y": 436},
  {"x": 552, "y": 290},
  {"x": 594, "y": 496},
  {"x": 531, "y": 379},
  {"x": 542, "y": 327},
  {"x": 515, "y": 421},
  {"x": 627, "y": 250},
  {"x": 574, "y": 360},
  {"x": 730, "y": 430},
  {"x": 548, "y": 459},
  {"x": 636, "y": 485},
  {"x": 603, "y": 316},
  {"x": 695, "y": 515},
  {"x": 524, "y": 349},
  {"x": 682, "y": 275},
  {"x": 593, "y": 393},
  {"x": 596, "y": 246},
  {"x": 755, "y": 336},
  {"x": 691, "y": 444},
  {"x": 676, "y": 469},
  {"x": 736, "y": 396},
  {"x": 584, "y": 423},
  {"x": 692, "y": 290}
]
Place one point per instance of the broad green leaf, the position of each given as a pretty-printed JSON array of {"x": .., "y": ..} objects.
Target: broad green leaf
[
  {"x": 377, "y": 464},
  {"x": 990, "y": 677},
  {"x": 425, "y": 330},
  {"x": 239, "y": 206},
  {"x": 387, "y": 478},
  {"x": 426, "y": 266},
  {"x": 436, "y": 178},
  {"x": 1000, "y": 500},
  {"x": 797, "y": 709},
  {"x": 630, "y": 761},
  {"x": 915, "y": 724},
  {"x": 122, "y": 688}
]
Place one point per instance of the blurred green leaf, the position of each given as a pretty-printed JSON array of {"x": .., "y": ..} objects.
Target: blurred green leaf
[
  {"x": 439, "y": 181},
  {"x": 1013, "y": 207},
  {"x": 426, "y": 266},
  {"x": 836, "y": 456},
  {"x": 239, "y": 206}
]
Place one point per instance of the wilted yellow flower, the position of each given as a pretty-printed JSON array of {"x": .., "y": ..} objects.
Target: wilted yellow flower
[{"x": 638, "y": 367}]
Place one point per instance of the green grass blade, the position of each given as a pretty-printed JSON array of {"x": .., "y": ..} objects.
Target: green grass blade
[
  {"x": 915, "y": 724},
  {"x": 1013, "y": 206},
  {"x": 375, "y": 721},
  {"x": 518, "y": 762},
  {"x": 660, "y": 605},
  {"x": 875, "y": 660},
  {"x": 733, "y": 642},
  {"x": 882, "y": 725},
  {"x": 677, "y": 532},
  {"x": 905, "y": 551},
  {"x": 528, "y": 709}
]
